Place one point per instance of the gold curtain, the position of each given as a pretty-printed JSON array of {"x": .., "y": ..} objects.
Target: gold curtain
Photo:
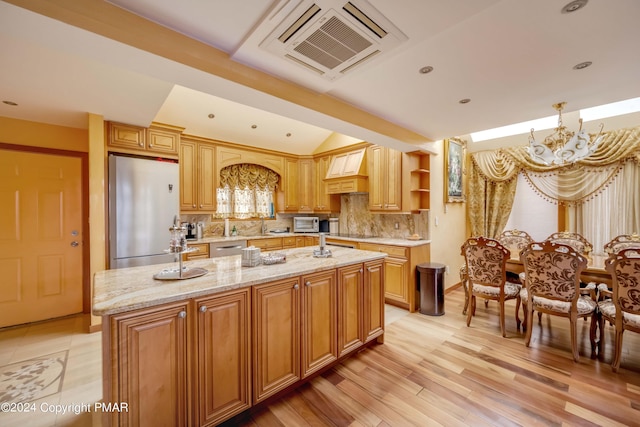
[
  {"x": 493, "y": 178},
  {"x": 248, "y": 175}
]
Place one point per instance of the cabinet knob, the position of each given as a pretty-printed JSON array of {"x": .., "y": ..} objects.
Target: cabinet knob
[
  {"x": 203, "y": 309},
  {"x": 182, "y": 314},
  {"x": 150, "y": 145},
  {"x": 361, "y": 270},
  {"x": 140, "y": 144},
  {"x": 201, "y": 206},
  {"x": 308, "y": 283},
  {"x": 295, "y": 286}
]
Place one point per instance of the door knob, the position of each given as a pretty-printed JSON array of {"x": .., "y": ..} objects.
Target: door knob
[{"x": 74, "y": 243}]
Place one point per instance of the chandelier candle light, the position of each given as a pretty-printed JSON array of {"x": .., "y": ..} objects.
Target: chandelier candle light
[{"x": 563, "y": 147}]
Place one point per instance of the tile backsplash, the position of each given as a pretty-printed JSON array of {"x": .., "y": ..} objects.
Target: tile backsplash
[{"x": 355, "y": 218}]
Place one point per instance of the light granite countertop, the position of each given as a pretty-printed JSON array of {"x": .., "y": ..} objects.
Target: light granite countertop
[
  {"x": 126, "y": 289},
  {"x": 379, "y": 240}
]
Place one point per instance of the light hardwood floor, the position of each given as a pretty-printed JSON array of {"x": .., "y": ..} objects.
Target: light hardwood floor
[{"x": 430, "y": 371}]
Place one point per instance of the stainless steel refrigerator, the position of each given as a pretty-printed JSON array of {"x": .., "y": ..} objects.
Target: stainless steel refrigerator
[{"x": 143, "y": 203}]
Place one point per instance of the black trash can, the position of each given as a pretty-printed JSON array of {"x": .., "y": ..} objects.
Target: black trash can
[{"x": 430, "y": 280}]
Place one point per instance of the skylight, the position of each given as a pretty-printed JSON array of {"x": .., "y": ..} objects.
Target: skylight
[{"x": 588, "y": 114}]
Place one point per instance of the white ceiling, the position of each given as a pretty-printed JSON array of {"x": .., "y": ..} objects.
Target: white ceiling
[{"x": 513, "y": 59}]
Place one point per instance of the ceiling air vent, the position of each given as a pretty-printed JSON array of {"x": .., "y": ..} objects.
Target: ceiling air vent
[{"x": 332, "y": 37}]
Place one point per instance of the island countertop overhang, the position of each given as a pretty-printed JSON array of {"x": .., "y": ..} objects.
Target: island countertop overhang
[{"x": 126, "y": 289}]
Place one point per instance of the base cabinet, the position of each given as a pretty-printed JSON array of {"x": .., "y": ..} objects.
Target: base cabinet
[
  {"x": 223, "y": 356},
  {"x": 150, "y": 354},
  {"x": 202, "y": 361},
  {"x": 319, "y": 321},
  {"x": 276, "y": 337},
  {"x": 373, "y": 295}
]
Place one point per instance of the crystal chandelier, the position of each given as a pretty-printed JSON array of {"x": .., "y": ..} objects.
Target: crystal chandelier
[{"x": 563, "y": 147}]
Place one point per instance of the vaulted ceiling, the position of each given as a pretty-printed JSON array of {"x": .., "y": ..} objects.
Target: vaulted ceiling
[{"x": 218, "y": 68}]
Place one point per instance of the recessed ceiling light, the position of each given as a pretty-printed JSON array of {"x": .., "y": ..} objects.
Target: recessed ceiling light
[
  {"x": 582, "y": 65},
  {"x": 464, "y": 101},
  {"x": 13, "y": 104},
  {"x": 574, "y": 5},
  {"x": 426, "y": 70},
  {"x": 288, "y": 134},
  {"x": 254, "y": 126},
  {"x": 211, "y": 115}
]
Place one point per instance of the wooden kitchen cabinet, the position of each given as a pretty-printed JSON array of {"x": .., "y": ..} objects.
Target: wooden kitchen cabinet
[
  {"x": 305, "y": 185},
  {"x": 291, "y": 185},
  {"x": 266, "y": 244},
  {"x": 373, "y": 296},
  {"x": 324, "y": 202},
  {"x": 385, "y": 178},
  {"x": 276, "y": 337},
  {"x": 198, "y": 182},
  {"x": 350, "y": 308},
  {"x": 202, "y": 251},
  {"x": 162, "y": 140},
  {"x": 400, "y": 272},
  {"x": 420, "y": 181},
  {"x": 319, "y": 321},
  {"x": 150, "y": 366},
  {"x": 223, "y": 356}
]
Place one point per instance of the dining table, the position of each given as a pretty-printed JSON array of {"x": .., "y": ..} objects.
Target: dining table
[{"x": 595, "y": 271}]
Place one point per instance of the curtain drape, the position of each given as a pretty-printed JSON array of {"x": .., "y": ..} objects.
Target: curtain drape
[
  {"x": 493, "y": 175},
  {"x": 246, "y": 191}
]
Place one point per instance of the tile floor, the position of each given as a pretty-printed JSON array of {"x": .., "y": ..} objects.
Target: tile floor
[{"x": 62, "y": 365}]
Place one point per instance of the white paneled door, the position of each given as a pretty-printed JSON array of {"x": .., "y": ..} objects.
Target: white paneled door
[{"x": 40, "y": 236}]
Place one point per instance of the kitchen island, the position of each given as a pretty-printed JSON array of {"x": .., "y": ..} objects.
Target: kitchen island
[{"x": 199, "y": 351}]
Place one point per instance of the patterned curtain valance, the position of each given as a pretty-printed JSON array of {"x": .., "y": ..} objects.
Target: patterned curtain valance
[
  {"x": 249, "y": 175},
  {"x": 493, "y": 178},
  {"x": 565, "y": 184}
]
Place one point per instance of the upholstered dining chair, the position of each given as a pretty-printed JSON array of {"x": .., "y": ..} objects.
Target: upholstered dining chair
[
  {"x": 515, "y": 240},
  {"x": 553, "y": 287},
  {"x": 575, "y": 240},
  {"x": 623, "y": 241},
  {"x": 486, "y": 261},
  {"x": 621, "y": 307}
]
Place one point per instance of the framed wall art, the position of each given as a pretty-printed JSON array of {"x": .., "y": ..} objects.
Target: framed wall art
[{"x": 454, "y": 156}]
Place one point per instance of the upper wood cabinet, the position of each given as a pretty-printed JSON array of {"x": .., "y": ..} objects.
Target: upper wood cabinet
[
  {"x": 306, "y": 179},
  {"x": 398, "y": 182},
  {"x": 385, "y": 179},
  {"x": 291, "y": 185},
  {"x": 324, "y": 202},
  {"x": 162, "y": 140},
  {"x": 198, "y": 181}
]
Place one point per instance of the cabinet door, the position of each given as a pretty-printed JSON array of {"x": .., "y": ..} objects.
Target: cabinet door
[
  {"x": 188, "y": 176},
  {"x": 393, "y": 186},
  {"x": 350, "y": 308},
  {"x": 373, "y": 295},
  {"x": 153, "y": 372},
  {"x": 207, "y": 180},
  {"x": 291, "y": 186},
  {"x": 319, "y": 345},
  {"x": 305, "y": 183},
  {"x": 162, "y": 141},
  {"x": 276, "y": 337},
  {"x": 396, "y": 276},
  {"x": 224, "y": 385},
  {"x": 128, "y": 137},
  {"x": 376, "y": 169}
]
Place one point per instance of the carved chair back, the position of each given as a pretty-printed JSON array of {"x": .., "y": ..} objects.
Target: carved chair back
[
  {"x": 575, "y": 240},
  {"x": 623, "y": 241},
  {"x": 515, "y": 240},
  {"x": 486, "y": 261}
]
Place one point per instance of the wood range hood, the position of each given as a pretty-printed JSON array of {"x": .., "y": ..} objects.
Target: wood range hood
[{"x": 348, "y": 173}]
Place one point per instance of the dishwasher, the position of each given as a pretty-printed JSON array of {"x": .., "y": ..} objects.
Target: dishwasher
[{"x": 218, "y": 249}]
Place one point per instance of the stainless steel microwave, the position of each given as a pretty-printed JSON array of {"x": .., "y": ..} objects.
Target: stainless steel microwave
[{"x": 305, "y": 224}]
